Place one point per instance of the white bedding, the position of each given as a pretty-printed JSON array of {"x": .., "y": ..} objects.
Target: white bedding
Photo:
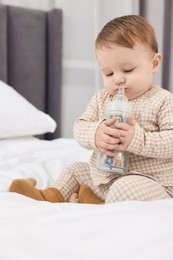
[
  {"x": 31, "y": 157},
  {"x": 36, "y": 230}
]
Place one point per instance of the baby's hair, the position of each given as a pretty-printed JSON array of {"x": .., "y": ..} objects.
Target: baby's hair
[{"x": 126, "y": 31}]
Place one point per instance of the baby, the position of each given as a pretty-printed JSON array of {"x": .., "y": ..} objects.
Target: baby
[{"x": 127, "y": 53}]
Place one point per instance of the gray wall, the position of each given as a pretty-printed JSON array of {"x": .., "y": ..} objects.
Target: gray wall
[{"x": 81, "y": 25}]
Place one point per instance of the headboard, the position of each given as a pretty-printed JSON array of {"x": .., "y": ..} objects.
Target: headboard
[{"x": 31, "y": 55}]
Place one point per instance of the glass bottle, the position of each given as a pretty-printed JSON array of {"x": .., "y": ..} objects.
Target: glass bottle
[{"x": 119, "y": 107}]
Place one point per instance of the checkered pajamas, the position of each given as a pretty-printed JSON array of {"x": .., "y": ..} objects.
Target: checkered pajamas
[
  {"x": 150, "y": 171},
  {"x": 129, "y": 187}
]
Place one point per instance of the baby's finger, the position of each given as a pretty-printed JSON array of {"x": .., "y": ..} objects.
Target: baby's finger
[
  {"x": 131, "y": 120},
  {"x": 110, "y": 122}
]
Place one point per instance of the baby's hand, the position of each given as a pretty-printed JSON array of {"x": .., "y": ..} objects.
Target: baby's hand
[
  {"x": 126, "y": 132},
  {"x": 107, "y": 137}
]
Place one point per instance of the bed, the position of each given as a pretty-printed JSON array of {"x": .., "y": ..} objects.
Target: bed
[{"x": 31, "y": 146}]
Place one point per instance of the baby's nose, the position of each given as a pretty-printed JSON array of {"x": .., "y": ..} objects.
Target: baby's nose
[{"x": 119, "y": 79}]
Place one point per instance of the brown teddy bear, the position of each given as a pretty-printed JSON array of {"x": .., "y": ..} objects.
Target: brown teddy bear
[{"x": 27, "y": 187}]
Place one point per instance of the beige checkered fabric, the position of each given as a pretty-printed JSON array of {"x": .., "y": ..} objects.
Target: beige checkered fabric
[
  {"x": 135, "y": 187},
  {"x": 150, "y": 152},
  {"x": 129, "y": 187},
  {"x": 75, "y": 175}
]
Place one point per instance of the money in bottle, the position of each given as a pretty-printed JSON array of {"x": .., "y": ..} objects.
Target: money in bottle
[{"x": 120, "y": 108}]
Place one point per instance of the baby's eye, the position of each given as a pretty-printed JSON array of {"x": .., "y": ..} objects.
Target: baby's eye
[
  {"x": 129, "y": 70},
  {"x": 109, "y": 74}
]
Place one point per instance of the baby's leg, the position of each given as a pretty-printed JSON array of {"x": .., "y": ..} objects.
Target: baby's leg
[
  {"x": 135, "y": 187},
  {"x": 76, "y": 179},
  {"x": 65, "y": 185},
  {"x": 65, "y": 188}
]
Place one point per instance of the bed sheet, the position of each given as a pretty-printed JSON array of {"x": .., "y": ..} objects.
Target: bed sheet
[
  {"x": 38, "y": 230},
  {"x": 34, "y": 230},
  {"x": 41, "y": 159}
]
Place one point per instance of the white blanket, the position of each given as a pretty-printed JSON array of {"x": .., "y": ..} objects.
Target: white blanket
[
  {"x": 31, "y": 157},
  {"x": 36, "y": 230}
]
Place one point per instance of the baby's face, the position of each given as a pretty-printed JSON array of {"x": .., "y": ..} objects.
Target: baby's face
[{"x": 132, "y": 67}]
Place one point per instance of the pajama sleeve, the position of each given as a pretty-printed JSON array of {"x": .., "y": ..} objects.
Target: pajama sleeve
[
  {"x": 156, "y": 144},
  {"x": 86, "y": 125}
]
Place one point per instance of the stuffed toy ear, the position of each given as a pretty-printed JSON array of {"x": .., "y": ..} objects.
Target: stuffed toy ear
[
  {"x": 86, "y": 195},
  {"x": 27, "y": 188}
]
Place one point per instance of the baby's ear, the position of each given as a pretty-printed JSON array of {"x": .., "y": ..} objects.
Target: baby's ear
[{"x": 156, "y": 61}]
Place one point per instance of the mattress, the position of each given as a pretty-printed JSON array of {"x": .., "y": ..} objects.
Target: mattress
[{"x": 39, "y": 230}]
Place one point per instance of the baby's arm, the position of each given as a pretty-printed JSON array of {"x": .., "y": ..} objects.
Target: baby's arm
[
  {"x": 86, "y": 125},
  {"x": 155, "y": 144},
  {"x": 91, "y": 130}
]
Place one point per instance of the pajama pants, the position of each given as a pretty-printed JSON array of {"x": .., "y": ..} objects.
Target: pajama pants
[{"x": 126, "y": 187}]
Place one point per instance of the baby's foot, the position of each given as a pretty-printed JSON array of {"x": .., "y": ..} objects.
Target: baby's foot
[{"x": 74, "y": 198}]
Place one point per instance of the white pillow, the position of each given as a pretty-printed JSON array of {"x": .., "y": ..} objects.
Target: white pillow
[{"x": 18, "y": 117}]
